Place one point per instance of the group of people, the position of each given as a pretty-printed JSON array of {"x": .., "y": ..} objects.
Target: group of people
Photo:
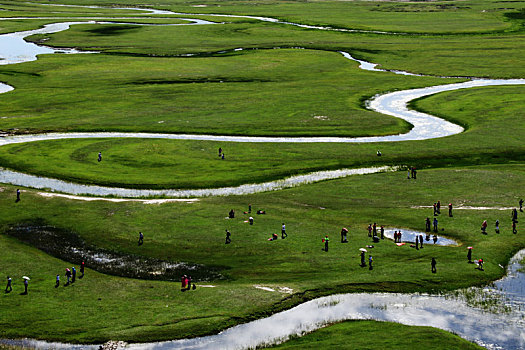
[
  {"x": 71, "y": 276},
  {"x": 412, "y": 173},
  {"x": 372, "y": 232},
  {"x": 9, "y": 287},
  {"x": 186, "y": 283}
]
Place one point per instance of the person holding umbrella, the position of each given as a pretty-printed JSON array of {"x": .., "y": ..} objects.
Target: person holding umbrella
[
  {"x": 26, "y": 283},
  {"x": 363, "y": 251}
]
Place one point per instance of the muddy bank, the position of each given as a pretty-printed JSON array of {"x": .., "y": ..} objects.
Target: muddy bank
[{"x": 68, "y": 246}]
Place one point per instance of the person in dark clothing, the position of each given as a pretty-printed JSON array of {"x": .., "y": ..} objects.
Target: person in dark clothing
[
  {"x": 382, "y": 232},
  {"x": 435, "y": 209},
  {"x": 435, "y": 239},
  {"x": 8, "y": 288},
  {"x": 283, "y": 231},
  {"x": 433, "y": 264},
  {"x": 438, "y": 207},
  {"x": 469, "y": 254},
  {"x": 228, "y": 239},
  {"x": 222, "y": 157},
  {"x": 414, "y": 172},
  {"x": 141, "y": 238},
  {"x": 220, "y": 151},
  {"x": 484, "y": 227},
  {"x": 435, "y": 225},
  {"x": 73, "y": 274},
  {"x": 417, "y": 242},
  {"x": 370, "y": 260},
  {"x": 82, "y": 267},
  {"x": 231, "y": 214},
  {"x": 514, "y": 215},
  {"x": 57, "y": 281},
  {"x": 399, "y": 236},
  {"x": 521, "y": 204},
  {"x": 450, "y": 209},
  {"x": 326, "y": 240},
  {"x": 100, "y": 156},
  {"x": 480, "y": 264},
  {"x": 427, "y": 225},
  {"x": 17, "y": 195},
  {"x": 421, "y": 241},
  {"x": 370, "y": 230},
  {"x": 363, "y": 263},
  {"x": 68, "y": 276},
  {"x": 26, "y": 283},
  {"x": 514, "y": 230},
  {"x": 497, "y": 226},
  {"x": 250, "y": 220},
  {"x": 249, "y": 208},
  {"x": 344, "y": 232},
  {"x": 374, "y": 230}
]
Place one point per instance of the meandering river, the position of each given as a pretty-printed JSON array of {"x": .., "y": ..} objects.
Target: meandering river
[{"x": 496, "y": 328}]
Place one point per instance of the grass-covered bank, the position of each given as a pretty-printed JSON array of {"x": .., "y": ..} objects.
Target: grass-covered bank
[
  {"x": 195, "y": 233},
  {"x": 377, "y": 335}
]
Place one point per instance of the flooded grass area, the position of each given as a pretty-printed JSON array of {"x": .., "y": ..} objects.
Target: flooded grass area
[{"x": 68, "y": 246}]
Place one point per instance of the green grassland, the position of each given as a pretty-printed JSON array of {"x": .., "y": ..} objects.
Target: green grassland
[
  {"x": 139, "y": 82},
  {"x": 371, "y": 334}
]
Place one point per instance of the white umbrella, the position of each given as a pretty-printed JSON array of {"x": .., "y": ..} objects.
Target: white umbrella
[
  {"x": 362, "y": 249},
  {"x": 26, "y": 278}
]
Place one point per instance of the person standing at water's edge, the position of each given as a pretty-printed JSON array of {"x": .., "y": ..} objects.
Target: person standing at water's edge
[{"x": 17, "y": 195}]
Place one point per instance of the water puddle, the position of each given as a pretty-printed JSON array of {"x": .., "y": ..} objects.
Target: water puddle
[{"x": 409, "y": 236}]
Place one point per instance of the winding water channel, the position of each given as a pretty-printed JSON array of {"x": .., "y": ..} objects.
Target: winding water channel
[
  {"x": 425, "y": 126},
  {"x": 501, "y": 327}
]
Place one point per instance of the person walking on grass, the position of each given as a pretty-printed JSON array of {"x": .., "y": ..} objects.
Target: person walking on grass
[
  {"x": 326, "y": 240},
  {"x": 420, "y": 241},
  {"x": 484, "y": 227},
  {"x": 382, "y": 232},
  {"x": 26, "y": 284},
  {"x": 68, "y": 276},
  {"x": 427, "y": 225},
  {"x": 514, "y": 230},
  {"x": 8, "y": 288},
  {"x": 370, "y": 230},
  {"x": 73, "y": 274},
  {"x": 435, "y": 209},
  {"x": 363, "y": 263},
  {"x": 497, "y": 226},
  {"x": 521, "y": 204},
  {"x": 228, "y": 239},
  {"x": 469, "y": 254},
  {"x": 417, "y": 243},
  {"x": 370, "y": 260},
  {"x": 450, "y": 209},
  {"x": 344, "y": 232},
  {"x": 57, "y": 281},
  {"x": 435, "y": 224},
  {"x": 514, "y": 215},
  {"x": 433, "y": 265},
  {"x": 82, "y": 267},
  {"x": 283, "y": 231},
  {"x": 220, "y": 151},
  {"x": 374, "y": 230},
  {"x": 141, "y": 238},
  {"x": 17, "y": 195},
  {"x": 99, "y": 156}
]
